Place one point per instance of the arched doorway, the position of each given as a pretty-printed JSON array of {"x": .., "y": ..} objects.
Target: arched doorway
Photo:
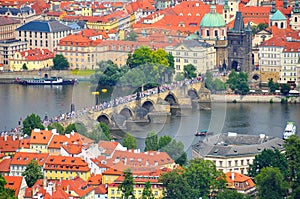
[{"x": 235, "y": 65}]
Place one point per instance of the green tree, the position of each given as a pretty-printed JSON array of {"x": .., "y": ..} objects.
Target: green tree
[
  {"x": 176, "y": 151},
  {"x": 202, "y": 176},
  {"x": 24, "y": 67},
  {"x": 5, "y": 193},
  {"x": 176, "y": 186},
  {"x": 55, "y": 125},
  {"x": 269, "y": 158},
  {"x": 171, "y": 61},
  {"x": 101, "y": 132},
  {"x": 179, "y": 76},
  {"x": 209, "y": 84},
  {"x": 31, "y": 122},
  {"x": 160, "y": 56},
  {"x": 147, "y": 191},
  {"x": 164, "y": 141},
  {"x": 238, "y": 82},
  {"x": 32, "y": 173},
  {"x": 60, "y": 63},
  {"x": 189, "y": 71},
  {"x": 140, "y": 56},
  {"x": 292, "y": 152},
  {"x": 151, "y": 142},
  {"x": 219, "y": 85},
  {"x": 272, "y": 85},
  {"x": 230, "y": 194},
  {"x": 76, "y": 127},
  {"x": 285, "y": 89},
  {"x": 127, "y": 185},
  {"x": 270, "y": 184},
  {"x": 131, "y": 36},
  {"x": 262, "y": 26},
  {"x": 129, "y": 141}
]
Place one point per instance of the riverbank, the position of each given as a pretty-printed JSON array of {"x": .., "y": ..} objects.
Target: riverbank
[
  {"x": 252, "y": 99},
  {"x": 10, "y": 77}
]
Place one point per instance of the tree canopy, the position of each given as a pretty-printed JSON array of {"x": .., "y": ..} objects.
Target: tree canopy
[
  {"x": 151, "y": 142},
  {"x": 176, "y": 151},
  {"x": 129, "y": 141},
  {"x": 273, "y": 86},
  {"x": 285, "y": 89},
  {"x": 31, "y": 122},
  {"x": 270, "y": 184},
  {"x": 196, "y": 180},
  {"x": 213, "y": 85},
  {"x": 147, "y": 191},
  {"x": 127, "y": 185},
  {"x": 5, "y": 193},
  {"x": 131, "y": 36},
  {"x": 269, "y": 158},
  {"x": 101, "y": 132},
  {"x": 55, "y": 125},
  {"x": 238, "y": 82},
  {"x": 76, "y": 127},
  {"x": 32, "y": 173},
  {"x": 60, "y": 63},
  {"x": 189, "y": 71},
  {"x": 164, "y": 141}
]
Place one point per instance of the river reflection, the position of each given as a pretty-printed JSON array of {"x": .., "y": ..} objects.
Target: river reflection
[{"x": 250, "y": 118}]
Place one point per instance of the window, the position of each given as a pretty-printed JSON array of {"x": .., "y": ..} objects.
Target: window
[
  {"x": 216, "y": 33},
  {"x": 207, "y": 33},
  {"x": 186, "y": 61},
  {"x": 177, "y": 67},
  {"x": 177, "y": 59}
]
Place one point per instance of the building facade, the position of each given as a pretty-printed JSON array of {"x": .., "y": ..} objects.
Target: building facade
[
  {"x": 34, "y": 59},
  {"x": 7, "y": 50},
  {"x": 240, "y": 46},
  {"x": 201, "y": 54},
  {"x": 42, "y": 34},
  {"x": 230, "y": 153},
  {"x": 7, "y": 28}
]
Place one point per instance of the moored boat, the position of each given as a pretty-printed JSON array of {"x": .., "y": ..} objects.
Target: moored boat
[
  {"x": 46, "y": 81},
  {"x": 203, "y": 133},
  {"x": 289, "y": 130}
]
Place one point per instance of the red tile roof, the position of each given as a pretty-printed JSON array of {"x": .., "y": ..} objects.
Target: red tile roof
[
  {"x": 95, "y": 180},
  {"x": 73, "y": 149},
  {"x": 8, "y": 144},
  {"x": 5, "y": 166},
  {"x": 14, "y": 182},
  {"x": 37, "y": 54},
  {"x": 23, "y": 158},
  {"x": 8, "y": 21},
  {"x": 235, "y": 179},
  {"x": 78, "y": 40},
  {"x": 108, "y": 146},
  {"x": 101, "y": 189},
  {"x": 78, "y": 185},
  {"x": 57, "y": 141},
  {"x": 66, "y": 163},
  {"x": 24, "y": 144}
]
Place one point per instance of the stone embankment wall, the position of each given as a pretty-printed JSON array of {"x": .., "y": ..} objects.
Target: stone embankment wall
[
  {"x": 9, "y": 77},
  {"x": 251, "y": 98}
]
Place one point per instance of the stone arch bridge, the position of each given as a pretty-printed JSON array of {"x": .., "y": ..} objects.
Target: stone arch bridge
[{"x": 150, "y": 107}]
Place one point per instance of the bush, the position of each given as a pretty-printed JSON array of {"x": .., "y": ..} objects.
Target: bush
[
  {"x": 234, "y": 101},
  {"x": 271, "y": 101}
]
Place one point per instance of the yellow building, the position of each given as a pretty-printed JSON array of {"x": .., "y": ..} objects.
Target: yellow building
[
  {"x": 65, "y": 168},
  {"x": 34, "y": 59},
  {"x": 86, "y": 11},
  {"x": 110, "y": 176},
  {"x": 117, "y": 20},
  {"x": 79, "y": 50},
  {"x": 140, "y": 180},
  {"x": 40, "y": 139}
]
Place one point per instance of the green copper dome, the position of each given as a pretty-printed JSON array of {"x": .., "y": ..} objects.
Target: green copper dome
[{"x": 212, "y": 19}]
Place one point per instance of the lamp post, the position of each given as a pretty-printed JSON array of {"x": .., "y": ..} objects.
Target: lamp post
[{"x": 97, "y": 94}]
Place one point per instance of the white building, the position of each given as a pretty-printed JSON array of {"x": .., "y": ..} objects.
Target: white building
[
  {"x": 201, "y": 54},
  {"x": 234, "y": 152}
]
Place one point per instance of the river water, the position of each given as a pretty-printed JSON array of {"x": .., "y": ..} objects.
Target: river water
[{"x": 18, "y": 101}]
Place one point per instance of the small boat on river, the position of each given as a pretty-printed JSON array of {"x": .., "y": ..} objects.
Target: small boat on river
[
  {"x": 289, "y": 130},
  {"x": 203, "y": 133},
  {"x": 46, "y": 81}
]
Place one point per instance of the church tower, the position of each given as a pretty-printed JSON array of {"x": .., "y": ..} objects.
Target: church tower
[
  {"x": 240, "y": 45},
  {"x": 295, "y": 17}
]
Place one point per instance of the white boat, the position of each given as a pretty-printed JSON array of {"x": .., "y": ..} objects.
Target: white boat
[{"x": 289, "y": 130}]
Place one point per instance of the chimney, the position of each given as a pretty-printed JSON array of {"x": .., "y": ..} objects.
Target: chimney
[
  {"x": 232, "y": 175},
  {"x": 5, "y": 138}
]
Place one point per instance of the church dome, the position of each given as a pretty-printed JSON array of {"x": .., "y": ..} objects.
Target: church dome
[{"x": 212, "y": 19}]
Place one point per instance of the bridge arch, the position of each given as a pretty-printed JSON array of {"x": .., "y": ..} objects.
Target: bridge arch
[
  {"x": 192, "y": 93},
  {"x": 126, "y": 112},
  {"x": 104, "y": 118},
  {"x": 149, "y": 105},
  {"x": 171, "y": 99}
]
